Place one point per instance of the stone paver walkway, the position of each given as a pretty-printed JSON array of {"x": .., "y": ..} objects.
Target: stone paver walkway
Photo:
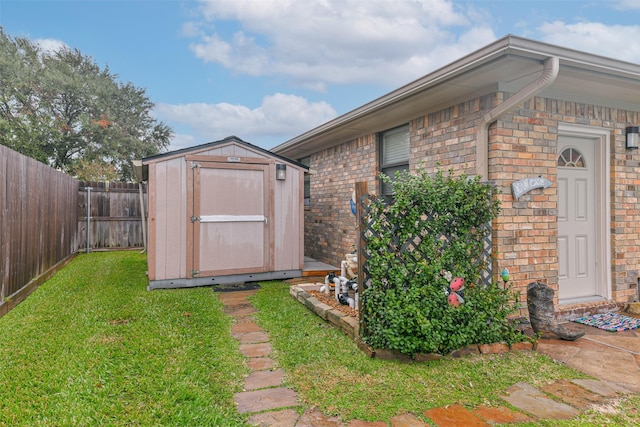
[{"x": 273, "y": 405}]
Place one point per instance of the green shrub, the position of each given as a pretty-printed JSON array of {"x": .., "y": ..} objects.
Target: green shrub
[{"x": 434, "y": 231}]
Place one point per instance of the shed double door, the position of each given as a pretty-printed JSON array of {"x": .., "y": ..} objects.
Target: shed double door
[{"x": 231, "y": 219}]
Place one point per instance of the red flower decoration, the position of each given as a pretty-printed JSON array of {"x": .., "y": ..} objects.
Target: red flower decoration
[{"x": 454, "y": 292}]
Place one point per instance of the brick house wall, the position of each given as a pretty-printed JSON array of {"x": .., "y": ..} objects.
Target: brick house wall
[
  {"x": 525, "y": 143},
  {"x": 330, "y": 226},
  {"x": 522, "y": 143}
]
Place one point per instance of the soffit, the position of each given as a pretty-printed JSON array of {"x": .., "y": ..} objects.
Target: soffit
[{"x": 510, "y": 64}]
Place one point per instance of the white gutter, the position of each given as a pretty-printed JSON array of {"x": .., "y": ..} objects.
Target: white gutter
[{"x": 548, "y": 76}]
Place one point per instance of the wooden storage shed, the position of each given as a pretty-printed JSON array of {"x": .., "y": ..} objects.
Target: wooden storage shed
[{"x": 223, "y": 212}]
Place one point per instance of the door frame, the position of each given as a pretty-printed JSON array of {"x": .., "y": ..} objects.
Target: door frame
[
  {"x": 195, "y": 162},
  {"x": 602, "y": 185}
]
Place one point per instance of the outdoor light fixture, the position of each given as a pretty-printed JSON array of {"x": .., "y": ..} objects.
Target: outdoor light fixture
[
  {"x": 281, "y": 170},
  {"x": 632, "y": 137}
]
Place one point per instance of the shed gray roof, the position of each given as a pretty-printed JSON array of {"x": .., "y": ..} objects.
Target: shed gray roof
[
  {"x": 226, "y": 140},
  {"x": 142, "y": 172},
  {"x": 508, "y": 64}
]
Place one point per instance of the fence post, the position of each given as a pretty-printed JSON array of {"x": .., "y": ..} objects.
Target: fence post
[
  {"x": 361, "y": 191},
  {"x": 88, "y": 219}
]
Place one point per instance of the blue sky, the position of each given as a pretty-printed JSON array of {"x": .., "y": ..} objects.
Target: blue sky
[{"x": 268, "y": 70}]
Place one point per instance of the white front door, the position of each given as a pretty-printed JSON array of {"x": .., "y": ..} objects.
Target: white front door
[{"x": 578, "y": 276}]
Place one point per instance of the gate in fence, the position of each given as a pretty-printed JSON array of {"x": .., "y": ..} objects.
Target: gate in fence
[{"x": 110, "y": 215}]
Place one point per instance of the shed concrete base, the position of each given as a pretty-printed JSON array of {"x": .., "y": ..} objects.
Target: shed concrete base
[{"x": 223, "y": 280}]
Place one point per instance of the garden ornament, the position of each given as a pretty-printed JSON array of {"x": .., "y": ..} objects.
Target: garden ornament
[
  {"x": 455, "y": 291},
  {"x": 541, "y": 312},
  {"x": 505, "y": 275}
]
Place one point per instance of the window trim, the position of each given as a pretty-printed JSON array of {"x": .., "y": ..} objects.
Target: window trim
[
  {"x": 402, "y": 165},
  {"x": 306, "y": 184}
]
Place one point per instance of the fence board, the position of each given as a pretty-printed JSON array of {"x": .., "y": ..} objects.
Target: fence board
[{"x": 37, "y": 222}]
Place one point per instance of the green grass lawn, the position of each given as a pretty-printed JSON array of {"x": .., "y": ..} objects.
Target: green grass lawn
[
  {"x": 330, "y": 372},
  {"x": 93, "y": 347}
]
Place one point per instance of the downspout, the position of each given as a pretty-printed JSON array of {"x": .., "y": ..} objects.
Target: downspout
[{"x": 548, "y": 76}]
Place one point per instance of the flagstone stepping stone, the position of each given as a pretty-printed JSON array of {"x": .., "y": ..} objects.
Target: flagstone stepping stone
[
  {"x": 573, "y": 394},
  {"x": 454, "y": 416},
  {"x": 314, "y": 418},
  {"x": 250, "y": 326},
  {"x": 500, "y": 415},
  {"x": 260, "y": 363},
  {"x": 605, "y": 388},
  {"x": 284, "y": 418},
  {"x": 531, "y": 400},
  {"x": 256, "y": 350},
  {"x": 252, "y": 337},
  {"x": 240, "y": 311},
  {"x": 263, "y": 379},
  {"x": 265, "y": 399}
]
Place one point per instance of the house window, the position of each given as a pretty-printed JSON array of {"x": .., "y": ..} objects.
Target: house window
[
  {"x": 307, "y": 180},
  {"x": 571, "y": 158},
  {"x": 394, "y": 154}
]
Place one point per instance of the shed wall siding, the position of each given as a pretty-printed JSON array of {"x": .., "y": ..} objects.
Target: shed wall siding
[
  {"x": 168, "y": 219},
  {"x": 523, "y": 143},
  {"x": 232, "y": 150},
  {"x": 288, "y": 239}
]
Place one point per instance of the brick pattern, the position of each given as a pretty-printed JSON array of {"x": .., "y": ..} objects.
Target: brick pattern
[
  {"x": 446, "y": 139},
  {"x": 523, "y": 143},
  {"x": 330, "y": 227}
]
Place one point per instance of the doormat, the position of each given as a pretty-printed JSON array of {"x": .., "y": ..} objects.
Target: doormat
[
  {"x": 231, "y": 287},
  {"x": 613, "y": 322}
]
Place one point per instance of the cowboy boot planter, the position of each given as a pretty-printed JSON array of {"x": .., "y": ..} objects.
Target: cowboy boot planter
[{"x": 540, "y": 304}]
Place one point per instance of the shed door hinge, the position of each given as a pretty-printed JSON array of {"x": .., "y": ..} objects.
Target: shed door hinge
[
  {"x": 195, "y": 165},
  {"x": 194, "y": 273},
  {"x": 195, "y": 218}
]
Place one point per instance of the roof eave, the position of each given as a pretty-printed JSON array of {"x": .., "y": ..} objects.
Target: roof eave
[{"x": 508, "y": 45}]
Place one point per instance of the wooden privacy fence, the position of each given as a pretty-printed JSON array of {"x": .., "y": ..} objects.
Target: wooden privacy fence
[
  {"x": 114, "y": 220},
  {"x": 43, "y": 222},
  {"x": 38, "y": 223}
]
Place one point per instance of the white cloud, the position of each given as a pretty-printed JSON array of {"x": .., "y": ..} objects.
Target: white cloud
[
  {"x": 181, "y": 140},
  {"x": 279, "y": 116},
  {"x": 320, "y": 42},
  {"x": 612, "y": 41},
  {"x": 626, "y": 4},
  {"x": 49, "y": 46}
]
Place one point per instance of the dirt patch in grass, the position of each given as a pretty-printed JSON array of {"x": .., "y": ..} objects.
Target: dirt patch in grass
[
  {"x": 114, "y": 322},
  {"x": 331, "y": 301}
]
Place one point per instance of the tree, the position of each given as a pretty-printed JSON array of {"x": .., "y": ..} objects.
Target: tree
[
  {"x": 64, "y": 110},
  {"x": 23, "y": 127}
]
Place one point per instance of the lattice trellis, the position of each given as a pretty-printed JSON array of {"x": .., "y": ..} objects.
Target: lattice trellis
[{"x": 409, "y": 249}]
